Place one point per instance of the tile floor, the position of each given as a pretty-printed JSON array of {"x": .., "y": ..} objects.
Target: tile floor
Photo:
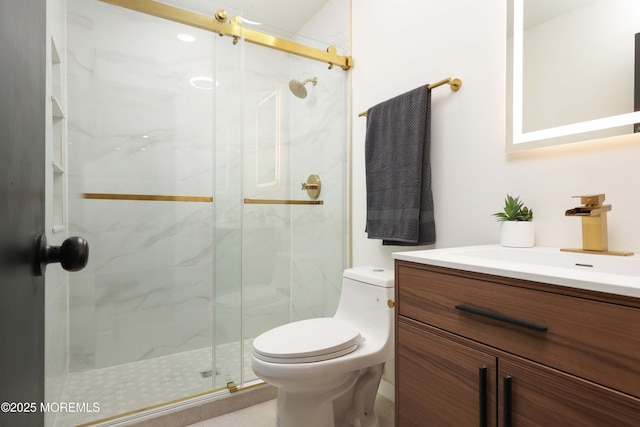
[
  {"x": 264, "y": 415},
  {"x": 132, "y": 386},
  {"x": 142, "y": 384}
]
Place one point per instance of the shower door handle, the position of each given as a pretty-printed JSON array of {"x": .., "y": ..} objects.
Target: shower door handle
[{"x": 72, "y": 255}]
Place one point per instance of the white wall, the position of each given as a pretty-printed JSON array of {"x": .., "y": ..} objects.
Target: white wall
[
  {"x": 56, "y": 279},
  {"x": 424, "y": 41},
  {"x": 331, "y": 25}
]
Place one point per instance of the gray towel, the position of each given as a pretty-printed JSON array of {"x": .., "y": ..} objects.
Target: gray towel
[{"x": 398, "y": 170}]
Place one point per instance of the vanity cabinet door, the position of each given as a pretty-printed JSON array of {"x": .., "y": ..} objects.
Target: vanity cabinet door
[
  {"x": 441, "y": 382},
  {"x": 544, "y": 397}
]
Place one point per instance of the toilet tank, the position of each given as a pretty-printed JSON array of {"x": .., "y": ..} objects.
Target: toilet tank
[
  {"x": 364, "y": 298},
  {"x": 377, "y": 276}
]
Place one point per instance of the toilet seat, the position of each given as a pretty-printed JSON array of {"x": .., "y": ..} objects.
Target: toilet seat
[{"x": 311, "y": 340}]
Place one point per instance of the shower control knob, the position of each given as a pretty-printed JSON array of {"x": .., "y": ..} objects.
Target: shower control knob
[
  {"x": 72, "y": 255},
  {"x": 313, "y": 186},
  {"x": 306, "y": 186}
]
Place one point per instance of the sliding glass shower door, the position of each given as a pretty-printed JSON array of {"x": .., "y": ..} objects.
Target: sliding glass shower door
[
  {"x": 141, "y": 186},
  {"x": 279, "y": 249},
  {"x": 187, "y": 152}
]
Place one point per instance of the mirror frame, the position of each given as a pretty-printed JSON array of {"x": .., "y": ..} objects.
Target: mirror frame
[{"x": 516, "y": 139}]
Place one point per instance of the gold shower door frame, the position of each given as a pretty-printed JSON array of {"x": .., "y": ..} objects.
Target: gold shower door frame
[{"x": 233, "y": 28}]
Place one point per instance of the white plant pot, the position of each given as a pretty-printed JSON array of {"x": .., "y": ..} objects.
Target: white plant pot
[{"x": 517, "y": 234}]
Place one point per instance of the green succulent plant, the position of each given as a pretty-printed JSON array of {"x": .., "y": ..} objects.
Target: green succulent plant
[{"x": 514, "y": 210}]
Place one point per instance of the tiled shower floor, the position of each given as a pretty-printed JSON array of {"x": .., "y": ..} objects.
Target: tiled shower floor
[{"x": 133, "y": 386}]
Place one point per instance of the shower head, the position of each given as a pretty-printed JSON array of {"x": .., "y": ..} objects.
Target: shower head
[{"x": 298, "y": 89}]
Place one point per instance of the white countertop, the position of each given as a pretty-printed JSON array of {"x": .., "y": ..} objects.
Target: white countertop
[{"x": 618, "y": 275}]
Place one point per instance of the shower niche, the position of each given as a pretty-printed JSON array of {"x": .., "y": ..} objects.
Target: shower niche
[{"x": 268, "y": 140}]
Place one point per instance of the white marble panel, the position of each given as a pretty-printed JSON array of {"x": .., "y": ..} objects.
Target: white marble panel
[
  {"x": 137, "y": 126},
  {"x": 318, "y": 232},
  {"x": 82, "y": 320}
]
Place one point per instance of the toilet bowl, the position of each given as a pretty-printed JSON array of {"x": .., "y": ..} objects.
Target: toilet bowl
[{"x": 327, "y": 370}]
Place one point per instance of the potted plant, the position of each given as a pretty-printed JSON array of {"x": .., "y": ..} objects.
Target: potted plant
[{"x": 517, "y": 229}]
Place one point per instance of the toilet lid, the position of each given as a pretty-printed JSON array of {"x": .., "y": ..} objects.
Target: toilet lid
[{"x": 309, "y": 340}]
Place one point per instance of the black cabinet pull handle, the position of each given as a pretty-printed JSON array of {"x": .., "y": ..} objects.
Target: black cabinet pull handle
[
  {"x": 483, "y": 396},
  {"x": 501, "y": 317},
  {"x": 506, "y": 401}
]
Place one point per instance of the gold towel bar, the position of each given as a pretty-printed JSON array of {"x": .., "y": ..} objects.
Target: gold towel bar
[
  {"x": 455, "y": 85},
  {"x": 282, "y": 202},
  {"x": 147, "y": 197}
]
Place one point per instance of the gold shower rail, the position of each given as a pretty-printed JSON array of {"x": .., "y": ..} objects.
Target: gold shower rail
[
  {"x": 282, "y": 202},
  {"x": 233, "y": 28},
  {"x": 455, "y": 85},
  {"x": 147, "y": 197}
]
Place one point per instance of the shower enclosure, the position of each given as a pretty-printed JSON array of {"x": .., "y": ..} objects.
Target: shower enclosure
[{"x": 186, "y": 154}]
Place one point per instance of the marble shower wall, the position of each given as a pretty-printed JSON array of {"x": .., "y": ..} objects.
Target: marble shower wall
[
  {"x": 320, "y": 144},
  {"x": 319, "y": 233},
  {"x": 137, "y": 126},
  {"x": 293, "y": 255}
]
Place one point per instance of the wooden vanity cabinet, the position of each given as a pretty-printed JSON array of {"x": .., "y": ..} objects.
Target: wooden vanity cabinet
[
  {"x": 441, "y": 382},
  {"x": 574, "y": 360}
]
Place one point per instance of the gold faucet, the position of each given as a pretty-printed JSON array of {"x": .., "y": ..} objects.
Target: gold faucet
[{"x": 594, "y": 225}]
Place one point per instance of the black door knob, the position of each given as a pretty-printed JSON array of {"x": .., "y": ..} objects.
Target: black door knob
[{"x": 73, "y": 254}]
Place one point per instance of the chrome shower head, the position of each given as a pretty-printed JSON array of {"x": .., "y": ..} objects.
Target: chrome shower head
[{"x": 298, "y": 89}]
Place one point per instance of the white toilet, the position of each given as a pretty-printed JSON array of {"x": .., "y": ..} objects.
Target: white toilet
[{"x": 328, "y": 370}]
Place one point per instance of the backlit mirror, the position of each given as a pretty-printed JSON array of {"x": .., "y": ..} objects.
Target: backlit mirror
[{"x": 571, "y": 71}]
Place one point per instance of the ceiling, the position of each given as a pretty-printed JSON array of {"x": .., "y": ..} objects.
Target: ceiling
[
  {"x": 539, "y": 11},
  {"x": 287, "y": 15}
]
